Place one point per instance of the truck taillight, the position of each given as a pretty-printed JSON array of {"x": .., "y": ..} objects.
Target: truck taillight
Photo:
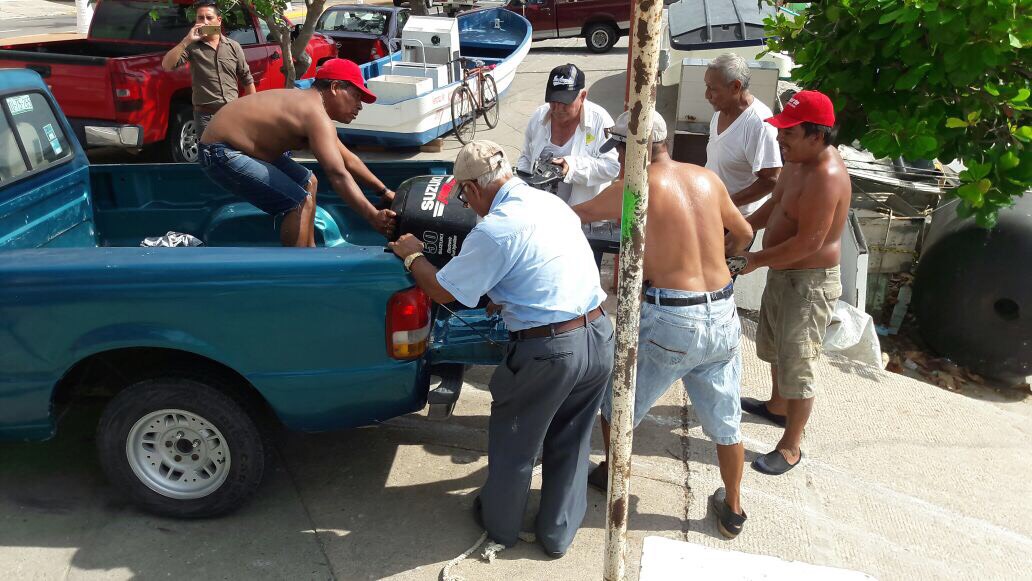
[
  {"x": 379, "y": 49},
  {"x": 408, "y": 324}
]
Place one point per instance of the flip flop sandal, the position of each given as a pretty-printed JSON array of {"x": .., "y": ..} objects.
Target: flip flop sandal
[
  {"x": 759, "y": 408},
  {"x": 729, "y": 522},
  {"x": 774, "y": 463}
]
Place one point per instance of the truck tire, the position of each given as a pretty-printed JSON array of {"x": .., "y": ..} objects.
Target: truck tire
[
  {"x": 600, "y": 37},
  {"x": 181, "y": 448},
  {"x": 182, "y": 139}
]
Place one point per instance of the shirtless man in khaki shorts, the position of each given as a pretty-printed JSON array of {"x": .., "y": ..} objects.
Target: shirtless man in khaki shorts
[{"x": 804, "y": 221}]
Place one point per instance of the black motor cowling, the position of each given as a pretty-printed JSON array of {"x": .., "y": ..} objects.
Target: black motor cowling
[{"x": 428, "y": 208}]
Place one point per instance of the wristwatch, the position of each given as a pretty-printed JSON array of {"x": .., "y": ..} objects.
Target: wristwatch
[{"x": 410, "y": 259}]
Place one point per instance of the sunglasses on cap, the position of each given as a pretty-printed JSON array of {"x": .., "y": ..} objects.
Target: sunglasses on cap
[{"x": 610, "y": 134}]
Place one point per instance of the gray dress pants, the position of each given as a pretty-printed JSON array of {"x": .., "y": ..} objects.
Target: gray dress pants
[{"x": 546, "y": 391}]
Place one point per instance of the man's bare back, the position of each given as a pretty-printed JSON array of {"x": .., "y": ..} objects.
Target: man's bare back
[
  {"x": 689, "y": 209},
  {"x": 816, "y": 195},
  {"x": 267, "y": 124}
]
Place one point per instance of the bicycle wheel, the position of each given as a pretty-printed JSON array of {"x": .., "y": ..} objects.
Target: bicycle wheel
[
  {"x": 489, "y": 100},
  {"x": 464, "y": 114}
]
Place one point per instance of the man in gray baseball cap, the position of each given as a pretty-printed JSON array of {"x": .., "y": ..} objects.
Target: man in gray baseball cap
[
  {"x": 530, "y": 257},
  {"x": 689, "y": 325}
]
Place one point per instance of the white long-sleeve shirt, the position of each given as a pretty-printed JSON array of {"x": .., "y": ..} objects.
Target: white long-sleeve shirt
[{"x": 590, "y": 171}]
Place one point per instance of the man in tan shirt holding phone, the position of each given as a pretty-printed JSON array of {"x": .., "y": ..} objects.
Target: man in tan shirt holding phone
[{"x": 211, "y": 56}]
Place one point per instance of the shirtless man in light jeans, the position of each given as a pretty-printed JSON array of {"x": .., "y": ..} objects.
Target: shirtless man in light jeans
[
  {"x": 689, "y": 324},
  {"x": 245, "y": 150},
  {"x": 804, "y": 220}
]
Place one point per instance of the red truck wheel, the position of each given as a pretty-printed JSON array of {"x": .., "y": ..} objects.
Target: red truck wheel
[
  {"x": 181, "y": 143},
  {"x": 181, "y": 448},
  {"x": 600, "y": 37}
]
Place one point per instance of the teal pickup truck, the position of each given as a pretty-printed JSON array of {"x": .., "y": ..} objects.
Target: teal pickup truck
[{"x": 199, "y": 349}]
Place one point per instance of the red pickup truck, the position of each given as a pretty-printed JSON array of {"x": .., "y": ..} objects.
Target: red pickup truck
[
  {"x": 600, "y": 22},
  {"x": 111, "y": 84}
]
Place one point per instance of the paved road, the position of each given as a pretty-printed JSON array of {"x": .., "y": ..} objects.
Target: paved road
[{"x": 25, "y": 26}]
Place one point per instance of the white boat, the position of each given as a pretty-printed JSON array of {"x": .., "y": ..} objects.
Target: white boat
[{"x": 414, "y": 85}]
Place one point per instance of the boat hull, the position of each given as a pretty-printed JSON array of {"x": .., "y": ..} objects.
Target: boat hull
[{"x": 419, "y": 120}]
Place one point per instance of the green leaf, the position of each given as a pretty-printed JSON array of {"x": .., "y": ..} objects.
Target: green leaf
[
  {"x": 978, "y": 170},
  {"x": 987, "y": 219},
  {"x": 925, "y": 144},
  {"x": 1014, "y": 41},
  {"x": 1009, "y": 160},
  {"x": 892, "y": 15},
  {"x": 992, "y": 90},
  {"x": 973, "y": 117},
  {"x": 1022, "y": 95},
  {"x": 970, "y": 194},
  {"x": 913, "y": 76},
  {"x": 983, "y": 185},
  {"x": 955, "y": 123}
]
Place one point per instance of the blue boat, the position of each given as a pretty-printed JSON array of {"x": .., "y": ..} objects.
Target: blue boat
[{"x": 415, "y": 84}]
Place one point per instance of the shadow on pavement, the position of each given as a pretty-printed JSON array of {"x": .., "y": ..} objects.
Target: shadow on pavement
[{"x": 364, "y": 503}]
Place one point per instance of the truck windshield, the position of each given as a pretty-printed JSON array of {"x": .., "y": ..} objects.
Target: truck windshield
[
  {"x": 367, "y": 21},
  {"x": 160, "y": 21}
]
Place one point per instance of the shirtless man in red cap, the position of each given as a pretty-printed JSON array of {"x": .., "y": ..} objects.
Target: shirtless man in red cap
[
  {"x": 244, "y": 150},
  {"x": 804, "y": 221}
]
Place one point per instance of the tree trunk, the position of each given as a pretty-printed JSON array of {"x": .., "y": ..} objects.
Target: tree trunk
[
  {"x": 295, "y": 59},
  {"x": 298, "y": 58},
  {"x": 83, "y": 16}
]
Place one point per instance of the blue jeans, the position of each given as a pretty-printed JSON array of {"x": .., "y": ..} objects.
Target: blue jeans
[
  {"x": 275, "y": 188},
  {"x": 698, "y": 344}
]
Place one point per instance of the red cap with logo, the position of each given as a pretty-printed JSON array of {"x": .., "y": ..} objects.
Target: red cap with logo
[
  {"x": 805, "y": 107},
  {"x": 345, "y": 70}
]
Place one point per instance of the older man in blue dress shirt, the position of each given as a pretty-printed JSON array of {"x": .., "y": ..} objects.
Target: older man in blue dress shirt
[{"x": 530, "y": 257}]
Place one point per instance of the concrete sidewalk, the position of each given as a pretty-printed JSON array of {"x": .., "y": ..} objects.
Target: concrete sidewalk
[{"x": 902, "y": 481}]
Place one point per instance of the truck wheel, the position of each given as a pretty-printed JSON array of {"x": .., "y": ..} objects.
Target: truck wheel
[
  {"x": 182, "y": 135},
  {"x": 180, "y": 448},
  {"x": 601, "y": 37}
]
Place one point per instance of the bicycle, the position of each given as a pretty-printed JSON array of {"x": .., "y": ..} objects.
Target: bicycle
[{"x": 468, "y": 102}]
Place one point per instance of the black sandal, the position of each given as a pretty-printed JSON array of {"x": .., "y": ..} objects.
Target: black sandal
[
  {"x": 729, "y": 522},
  {"x": 759, "y": 408},
  {"x": 774, "y": 463}
]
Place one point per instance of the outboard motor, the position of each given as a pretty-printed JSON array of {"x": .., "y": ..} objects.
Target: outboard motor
[{"x": 429, "y": 209}]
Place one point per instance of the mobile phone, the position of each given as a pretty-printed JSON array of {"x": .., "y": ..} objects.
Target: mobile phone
[{"x": 209, "y": 30}]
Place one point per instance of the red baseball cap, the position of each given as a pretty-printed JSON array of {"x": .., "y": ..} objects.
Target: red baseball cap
[
  {"x": 345, "y": 70},
  {"x": 803, "y": 107}
]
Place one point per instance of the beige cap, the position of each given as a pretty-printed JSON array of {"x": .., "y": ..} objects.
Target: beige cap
[
  {"x": 477, "y": 158},
  {"x": 618, "y": 133}
]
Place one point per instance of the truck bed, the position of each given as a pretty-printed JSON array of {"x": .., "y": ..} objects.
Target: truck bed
[
  {"x": 77, "y": 50},
  {"x": 132, "y": 202}
]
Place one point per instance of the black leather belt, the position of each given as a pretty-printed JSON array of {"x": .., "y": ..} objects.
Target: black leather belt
[
  {"x": 556, "y": 328},
  {"x": 689, "y": 301}
]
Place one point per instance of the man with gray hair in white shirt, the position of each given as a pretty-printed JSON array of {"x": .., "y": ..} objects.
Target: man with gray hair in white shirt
[{"x": 742, "y": 149}]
